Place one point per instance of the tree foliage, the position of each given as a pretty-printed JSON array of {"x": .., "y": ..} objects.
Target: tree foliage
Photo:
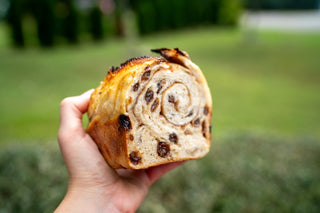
[
  {"x": 160, "y": 15},
  {"x": 281, "y": 4}
]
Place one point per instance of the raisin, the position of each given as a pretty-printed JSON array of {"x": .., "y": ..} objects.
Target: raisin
[
  {"x": 134, "y": 157},
  {"x": 147, "y": 68},
  {"x": 204, "y": 129},
  {"x": 125, "y": 122},
  {"x": 146, "y": 75},
  {"x": 163, "y": 149},
  {"x": 131, "y": 137},
  {"x": 196, "y": 122},
  {"x": 173, "y": 138},
  {"x": 136, "y": 86},
  {"x": 206, "y": 110},
  {"x": 190, "y": 113},
  {"x": 171, "y": 99},
  {"x": 160, "y": 85},
  {"x": 149, "y": 95},
  {"x": 154, "y": 105}
]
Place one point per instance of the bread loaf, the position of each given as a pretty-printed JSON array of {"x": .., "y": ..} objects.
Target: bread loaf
[{"x": 152, "y": 111}]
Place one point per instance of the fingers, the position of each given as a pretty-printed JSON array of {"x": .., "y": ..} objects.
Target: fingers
[
  {"x": 82, "y": 157},
  {"x": 154, "y": 173},
  {"x": 71, "y": 110}
]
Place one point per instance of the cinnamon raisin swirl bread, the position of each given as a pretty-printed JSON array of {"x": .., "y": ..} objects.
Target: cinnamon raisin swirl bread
[{"x": 152, "y": 111}]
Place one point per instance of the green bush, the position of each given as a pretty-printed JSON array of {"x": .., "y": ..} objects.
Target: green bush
[
  {"x": 162, "y": 15},
  {"x": 67, "y": 20},
  {"x": 33, "y": 178},
  {"x": 45, "y": 19},
  {"x": 95, "y": 23},
  {"x": 244, "y": 172},
  {"x": 14, "y": 18},
  {"x": 229, "y": 12},
  {"x": 282, "y": 4},
  {"x": 146, "y": 16},
  {"x": 71, "y": 24}
]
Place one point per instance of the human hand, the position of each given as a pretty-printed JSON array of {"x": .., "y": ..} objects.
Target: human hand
[{"x": 93, "y": 185}]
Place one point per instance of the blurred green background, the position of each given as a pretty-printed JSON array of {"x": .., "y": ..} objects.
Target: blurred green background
[{"x": 265, "y": 154}]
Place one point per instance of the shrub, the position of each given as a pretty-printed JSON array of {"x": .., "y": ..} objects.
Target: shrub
[
  {"x": 95, "y": 23},
  {"x": 244, "y": 172},
  {"x": 229, "y": 12},
  {"x": 44, "y": 15},
  {"x": 282, "y": 4},
  {"x": 146, "y": 18},
  {"x": 69, "y": 22},
  {"x": 14, "y": 18},
  {"x": 32, "y": 178},
  {"x": 162, "y": 15}
]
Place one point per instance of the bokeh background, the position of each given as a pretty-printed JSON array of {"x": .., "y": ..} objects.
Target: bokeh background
[{"x": 261, "y": 59}]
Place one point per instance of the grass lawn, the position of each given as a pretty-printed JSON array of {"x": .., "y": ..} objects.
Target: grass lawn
[{"x": 260, "y": 81}]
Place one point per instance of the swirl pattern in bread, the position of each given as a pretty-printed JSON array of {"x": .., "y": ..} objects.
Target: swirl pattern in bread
[{"x": 152, "y": 111}]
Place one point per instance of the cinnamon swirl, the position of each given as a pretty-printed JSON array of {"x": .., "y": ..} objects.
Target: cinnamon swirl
[{"x": 152, "y": 111}]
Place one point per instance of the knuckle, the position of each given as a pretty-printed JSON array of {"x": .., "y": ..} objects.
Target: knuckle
[{"x": 65, "y": 102}]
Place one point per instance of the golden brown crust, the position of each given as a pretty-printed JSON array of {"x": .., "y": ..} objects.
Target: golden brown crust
[
  {"x": 108, "y": 133},
  {"x": 109, "y": 136}
]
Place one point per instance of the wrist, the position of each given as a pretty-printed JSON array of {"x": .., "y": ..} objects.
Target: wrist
[{"x": 82, "y": 199}]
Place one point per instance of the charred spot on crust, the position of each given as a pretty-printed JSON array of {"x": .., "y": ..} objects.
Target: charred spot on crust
[
  {"x": 131, "y": 137},
  {"x": 149, "y": 95},
  {"x": 136, "y": 86},
  {"x": 125, "y": 122},
  {"x": 132, "y": 59},
  {"x": 196, "y": 122},
  {"x": 113, "y": 70},
  {"x": 182, "y": 53},
  {"x": 160, "y": 85},
  {"x": 171, "y": 99},
  {"x": 159, "y": 50},
  {"x": 154, "y": 105},
  {"x": 173, "y": 137},
  {"x": 206, "y": 110},
  {"x": 172, "y": 55},
  {"x": 135, "y": 157},
  {"x": 163, "y": 149},
  {"x": 210, "y": 128},
  {"x": 146, "y": 75}
]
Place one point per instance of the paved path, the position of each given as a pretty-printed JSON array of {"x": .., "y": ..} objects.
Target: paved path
[{"x": 288, "y": 21}]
